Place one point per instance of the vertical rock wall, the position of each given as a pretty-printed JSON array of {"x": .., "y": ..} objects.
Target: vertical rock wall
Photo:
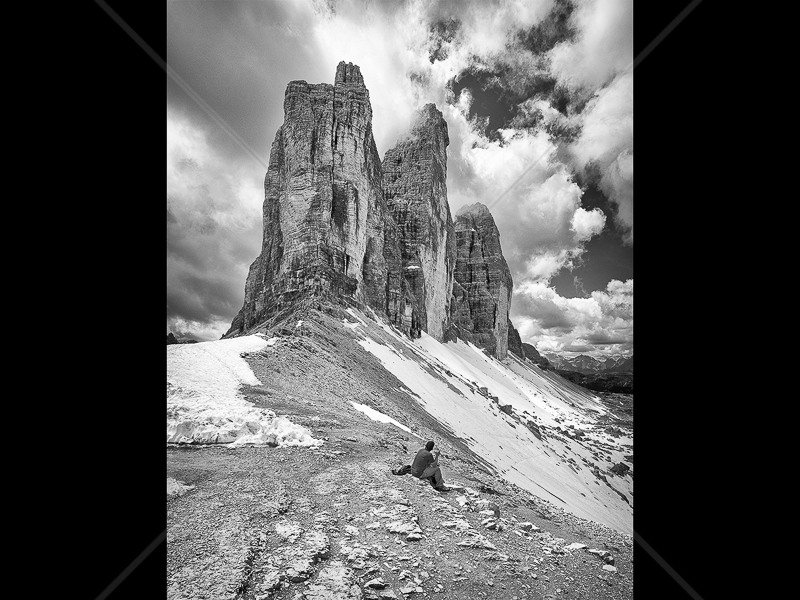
[
  {"x": 339, "y": 223},
  {"x": 415, "y": 188},
  {"x": 483, "y": 284},
  {"x": 325, "y": 220}
]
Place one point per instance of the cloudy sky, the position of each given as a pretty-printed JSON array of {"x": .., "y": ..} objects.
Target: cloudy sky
[{"x": 538, "y": 99}]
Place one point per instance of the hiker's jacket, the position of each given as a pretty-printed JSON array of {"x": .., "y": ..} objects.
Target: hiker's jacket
[{"x": 422, "y": 461}]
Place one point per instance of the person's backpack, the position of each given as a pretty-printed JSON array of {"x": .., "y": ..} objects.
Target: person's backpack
[{"x": 404, "y": 470}]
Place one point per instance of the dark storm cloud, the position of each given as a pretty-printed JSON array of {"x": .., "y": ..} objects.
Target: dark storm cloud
[
  {"x": 195, "y": 297},
  {"x": 213, "y": 229},
  {"x": 238, "y": 57}
]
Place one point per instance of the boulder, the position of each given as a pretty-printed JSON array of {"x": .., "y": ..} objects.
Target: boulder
[{"x": 620, "y": 469}]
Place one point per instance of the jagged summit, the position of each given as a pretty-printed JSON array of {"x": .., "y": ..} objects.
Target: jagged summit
[
  {"x": 429, "y": 121},
  {"x": 344, "y": 226},
  {"x": 477, "y": 209},
  {"x": 483, "y": 283},
  {"x": 324, "y": 214},
  {"x": 348, "y": 73}
]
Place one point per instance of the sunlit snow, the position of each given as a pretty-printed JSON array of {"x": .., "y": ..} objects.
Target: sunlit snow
[
  {"x": 354, "y": 314},
  {"x": 379, "y": 416},
  {"x": 555, "y": 470},
  {"x": 205, "y": 406}
]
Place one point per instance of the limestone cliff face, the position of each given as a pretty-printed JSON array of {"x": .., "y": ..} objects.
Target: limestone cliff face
[
  {"x": 327, "y": 230},
  {"x": 483, "y": 284},
  {"x": 340, "y": 224},
  {"x": 415, "y": 188}
]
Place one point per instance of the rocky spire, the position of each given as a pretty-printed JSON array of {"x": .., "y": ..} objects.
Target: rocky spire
[
  {"x": 340, "y": 224},
  {"x": 324, "y": 216},
  {"x": 415, "y": 188},
  {"x": 483, "y": 284},
  {"x": 349, "y": 74}
]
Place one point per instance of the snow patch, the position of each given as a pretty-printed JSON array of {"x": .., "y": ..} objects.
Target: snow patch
[
  {"x": 353, "y": 314},
  {"x": 176, "y": 488},
  {"x": 205, "y": 406},
  {"x": 379, "y": 416}
]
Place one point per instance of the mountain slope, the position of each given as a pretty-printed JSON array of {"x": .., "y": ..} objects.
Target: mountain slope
[
  {"x": 528, "y": 426},
  {"x": 284, "y": 517},
  {"x": 446, "y": 381}
]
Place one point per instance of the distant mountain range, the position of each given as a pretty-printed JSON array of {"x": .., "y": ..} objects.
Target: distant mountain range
[
  {"x": 588, "y": 365},
  {"x": 171, "y": 339}
]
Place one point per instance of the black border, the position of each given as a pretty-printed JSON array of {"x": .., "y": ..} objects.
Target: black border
[{"x": 681, "y": 135}]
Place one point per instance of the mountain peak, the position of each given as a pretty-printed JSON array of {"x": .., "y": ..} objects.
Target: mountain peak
[
  {"x": 477, "y": 209},
  {"x": 429, "y": 122},
  {"x": 348, "y": 73},
  {"x": 342, "y": 225}
]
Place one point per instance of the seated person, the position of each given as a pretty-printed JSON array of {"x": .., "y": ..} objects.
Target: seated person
[{"x": 426, "y": 465}]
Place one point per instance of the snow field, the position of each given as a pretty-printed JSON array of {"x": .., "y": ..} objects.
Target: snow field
[
  {"x": 521, "y": 458},
  {"x": 379, "y": 416},
  {"x": 205, "y": 406}
]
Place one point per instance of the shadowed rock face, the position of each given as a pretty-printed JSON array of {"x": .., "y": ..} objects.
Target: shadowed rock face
[
  {"x": 326, "y": 227},
  {"x": 415, "y": 188},
  {"x": 482, "y": 282},
  {"x": 532, "y": 354},
  {"x": 515, "y": 344}
]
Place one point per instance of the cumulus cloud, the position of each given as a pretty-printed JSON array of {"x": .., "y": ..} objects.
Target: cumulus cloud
[
  {"x": 533, "y": 198},
  {"x": 392, "y": 42},
  {"x": 617, "y": 183},
  {"x": 605, "y": 146},
  {"x": 604, "y": 44},
  {"x": 586, "y": 223},
  {"x": 601, "y": 323}
]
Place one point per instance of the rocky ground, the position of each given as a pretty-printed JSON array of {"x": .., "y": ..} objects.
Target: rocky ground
[
  {"x": 334, "y": 523},
  {"x": 264, "y": 523}
]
